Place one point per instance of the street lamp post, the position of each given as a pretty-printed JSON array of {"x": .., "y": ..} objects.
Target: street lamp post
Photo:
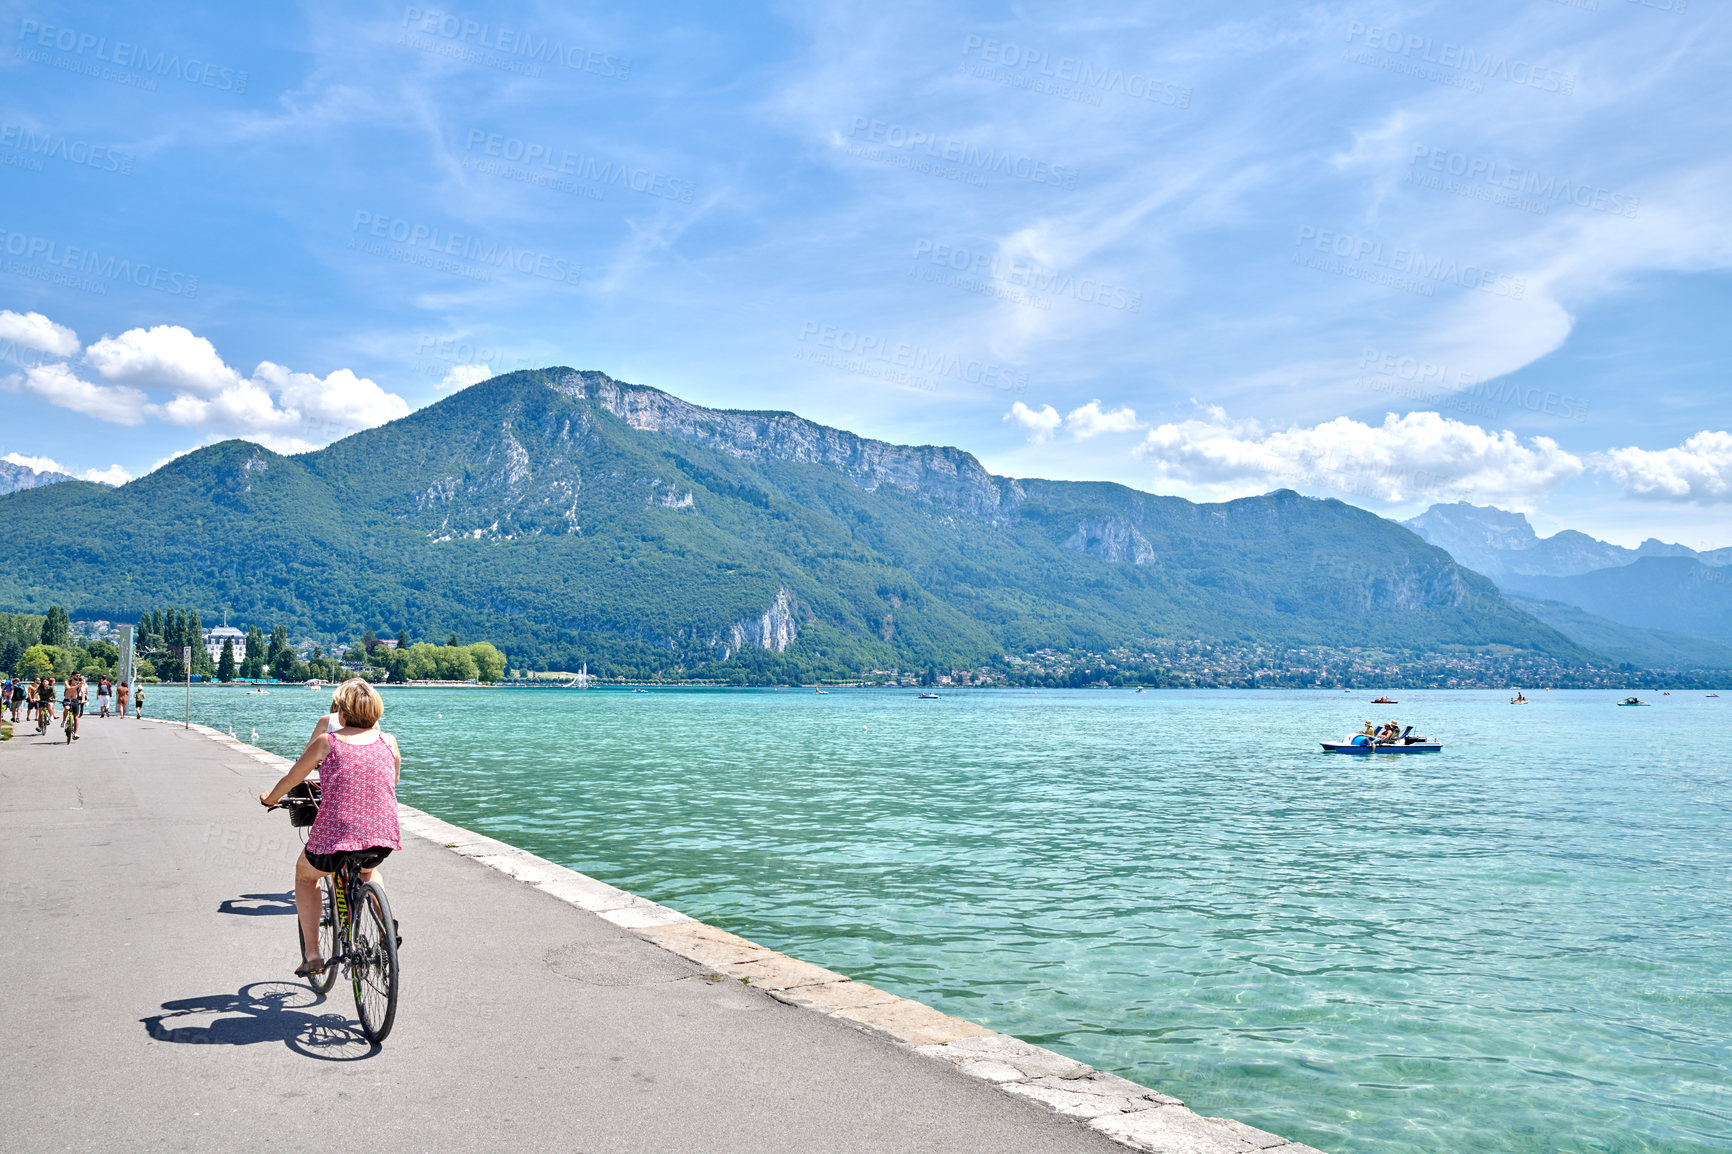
[{"x": 186, "y": 666}]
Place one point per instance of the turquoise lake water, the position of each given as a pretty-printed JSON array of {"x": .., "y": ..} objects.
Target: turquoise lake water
[{"x": 1523, "y": 943}]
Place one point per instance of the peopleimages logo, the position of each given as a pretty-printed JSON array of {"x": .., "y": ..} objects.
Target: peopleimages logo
[
  {"x": 1536, "y": 188},
  {"x": 1075, "y": 71},
  {"x": 1372, "y": 256},
  {"x": 86, "y": 268},
  {"x": 46, "y": 145},
  {"x": 564, "y": 162},
  {"x": 135, "y": 58},
  {"x": 1023, "y": 274},
  {"x": 443, "y": 242},
  {"x": 868, "y": 350},
  {"x": 1433, "y": 383},
  {"x": 970, "y": 158},
  {"x": 1418, "y": 50},
  {"x": 525, "y": 46}
]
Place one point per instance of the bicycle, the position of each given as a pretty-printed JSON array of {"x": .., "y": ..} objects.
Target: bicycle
[{"x": 356, "y": 929}]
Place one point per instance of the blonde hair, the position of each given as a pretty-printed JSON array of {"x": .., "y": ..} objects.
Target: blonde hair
[{"x": 358, "y": 703}]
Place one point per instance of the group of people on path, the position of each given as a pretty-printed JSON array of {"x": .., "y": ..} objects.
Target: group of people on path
[{"x": 34, "y": 698}]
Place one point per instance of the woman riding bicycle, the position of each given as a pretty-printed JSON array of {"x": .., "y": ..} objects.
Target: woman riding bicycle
[{"x": 358, "y": 765}]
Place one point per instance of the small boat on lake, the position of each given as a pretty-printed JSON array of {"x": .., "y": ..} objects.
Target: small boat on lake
[
  {"x": 823, "y": 691},
  {"x": 1365, "y": 743},
  {"x": 1518, "y": 699},
  {"x": 1632, "y": 701},
  {"x": 929, "y": 696},
  {"x": 1384, "y": 701}
]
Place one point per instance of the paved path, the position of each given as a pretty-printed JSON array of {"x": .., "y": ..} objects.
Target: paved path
[{"x": 147, "y": 951}]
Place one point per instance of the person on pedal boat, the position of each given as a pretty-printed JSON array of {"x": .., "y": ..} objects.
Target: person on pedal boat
[{"x": 359, "y": 766}]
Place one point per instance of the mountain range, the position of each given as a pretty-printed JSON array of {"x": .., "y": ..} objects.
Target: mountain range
[
  {"x": 1655, "y": 605},
  {"x": 570, "y": 517},
  {"x": 15, "y": 477}
]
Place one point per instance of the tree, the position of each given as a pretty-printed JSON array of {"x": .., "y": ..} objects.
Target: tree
[
  {"x": 10, "y": 652},
  {"x": 226, "y": 664},
  {"x": 489, "y": 662},
  {"x": 455, "y": 663},
  {"x": 453, "y": 642},
  {"x": 56, "y": 628},
  {"x": 283, "y": 664},
  {"x": 279, "y": 646},
  {"x": 255, "y": 644},
  {"x": 402, "y": 639},
  {"x": 37, "y": 661},
  {"x": 369, "y": 641}
]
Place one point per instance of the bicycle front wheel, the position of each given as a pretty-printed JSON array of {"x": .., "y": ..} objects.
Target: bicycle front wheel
[{"x": 373, "y": 963}]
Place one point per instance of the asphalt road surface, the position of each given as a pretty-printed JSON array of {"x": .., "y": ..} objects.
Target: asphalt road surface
[{"x": 148, "y": 948}]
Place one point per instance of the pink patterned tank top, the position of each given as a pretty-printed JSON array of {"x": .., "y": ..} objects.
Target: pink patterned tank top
[{"x": 357, "y": 798}]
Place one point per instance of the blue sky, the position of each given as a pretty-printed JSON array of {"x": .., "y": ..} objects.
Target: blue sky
[{"x": 1390, "y": 253}]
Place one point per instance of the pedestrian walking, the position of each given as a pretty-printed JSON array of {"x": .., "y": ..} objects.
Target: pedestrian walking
[
  {"x": 120, "y": 696},
  {"x": 103, "y": 692},
  {"x": 17, "y": 698},
  {"x": 138, "y": 701}
]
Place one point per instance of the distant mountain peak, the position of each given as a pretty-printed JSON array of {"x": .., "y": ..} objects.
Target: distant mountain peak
[
  {"x": 16, "y": 477},
  {"x": 946, "y": 475}
]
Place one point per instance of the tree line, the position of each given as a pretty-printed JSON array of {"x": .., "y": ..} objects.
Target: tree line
[{"x": 42, "y": 645}]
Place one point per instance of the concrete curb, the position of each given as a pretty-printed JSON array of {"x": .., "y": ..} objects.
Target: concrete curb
[{"x": 1128, "y": 1113}]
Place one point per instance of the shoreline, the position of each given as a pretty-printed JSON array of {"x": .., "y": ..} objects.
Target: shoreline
[{"x": 1126, "y": 1112}]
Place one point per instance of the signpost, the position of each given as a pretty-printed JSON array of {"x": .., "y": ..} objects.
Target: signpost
[
  {"x": 124, "y": 666},
  {"x": 186, "y": 664}
]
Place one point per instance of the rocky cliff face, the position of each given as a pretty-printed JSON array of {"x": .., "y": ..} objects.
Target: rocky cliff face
[
  {"x": 16, "y": 477},
  {"x": 776, "y": 629},
  {"x": 1111, "y": 539},
  {"x": 942, "y": 475}
]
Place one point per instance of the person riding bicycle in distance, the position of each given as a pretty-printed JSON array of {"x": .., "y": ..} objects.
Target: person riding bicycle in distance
[{"x": 359, "y": 766}]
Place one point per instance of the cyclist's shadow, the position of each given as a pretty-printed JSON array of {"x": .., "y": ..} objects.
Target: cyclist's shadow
[{"x": 264, "y": 1012}]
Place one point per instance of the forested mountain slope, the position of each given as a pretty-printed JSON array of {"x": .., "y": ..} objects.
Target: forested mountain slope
[{"x": 569, "y": 517}]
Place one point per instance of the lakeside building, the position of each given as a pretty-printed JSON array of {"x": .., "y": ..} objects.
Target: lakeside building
[{"x": 214, "y": 638}]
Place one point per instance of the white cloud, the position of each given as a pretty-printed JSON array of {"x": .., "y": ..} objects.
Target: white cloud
[
  {"x": 462, "y": 376},
  {"x": 164, "y": 357},
  {"x": 1698, "y": 470},
  {"x": 1416, "y": 456},
  {"x": 340, "y": 403},
  {"x": 1040, "y": 423},
  {"x": 59, "y": 386},
  {"x": 284, "y": 410},
  {"x": 40, "y": 464},
  {"x": 113, "y": 475},
  {"x": 35, "y": 331},
  {"x": 1090, "y": 421}
]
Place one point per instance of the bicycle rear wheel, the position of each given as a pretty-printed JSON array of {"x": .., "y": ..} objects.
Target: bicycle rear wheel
[
  {"x": 323, "y": 981},
  {"x": 373, "y": 962}
]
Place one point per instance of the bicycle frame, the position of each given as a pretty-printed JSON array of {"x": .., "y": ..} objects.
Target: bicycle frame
[{"x": 345, "y": 896}]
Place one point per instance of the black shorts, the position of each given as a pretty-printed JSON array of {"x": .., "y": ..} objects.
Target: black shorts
[{"x": 327, "y": 863}]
